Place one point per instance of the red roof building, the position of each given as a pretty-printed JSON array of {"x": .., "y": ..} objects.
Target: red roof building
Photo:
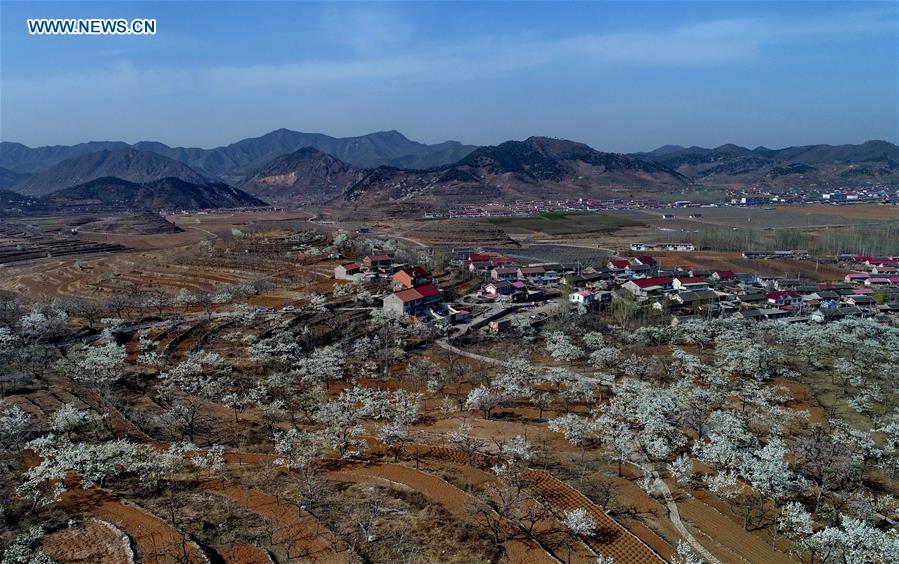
[
  {"x": 377, "y": 260},
  {"x": 656, "y": 281},
  {"x": 413, "y": 301},
  {"x": 783, "y": 297},
  {"x": 646, "y": 286},
  {"x": 412, "y": 277}
]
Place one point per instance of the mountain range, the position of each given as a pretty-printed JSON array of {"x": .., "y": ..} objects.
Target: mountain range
[
  {"x": 818, "y": 165},
  {"x": 234, "y": 161},
  {"x": 386, "y": 172}
]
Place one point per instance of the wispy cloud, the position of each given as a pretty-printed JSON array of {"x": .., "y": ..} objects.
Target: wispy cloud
[
  {"x": 374, "y": 34},
  {"x": 379, "y": 54}
]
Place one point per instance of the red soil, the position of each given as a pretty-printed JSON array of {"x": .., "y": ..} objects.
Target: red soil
[
  {"x": 90, "y": 542},
  {"x": 295, "y": 532}
]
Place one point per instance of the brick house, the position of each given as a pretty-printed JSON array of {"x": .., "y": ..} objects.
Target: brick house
[
  {"x": 347, "y": 271},
  {"x": 413, "y": 301}
]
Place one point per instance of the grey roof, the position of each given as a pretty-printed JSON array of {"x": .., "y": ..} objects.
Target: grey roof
[{"x": 698, "y": 295}]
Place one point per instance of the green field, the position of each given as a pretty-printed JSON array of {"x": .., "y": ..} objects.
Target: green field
[{"x": 564, "y": 223}]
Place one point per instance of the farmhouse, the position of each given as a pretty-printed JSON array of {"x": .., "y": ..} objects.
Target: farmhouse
[
  {"x": 412, "y": 277},
  {"x": 504, "y": 273},
  {"x": 583, "y": 297},
  {"x": 835, "y": 313},
  {"x": 689, "y": 283},
  {"x": 347, "y": 271},
  {"x": 500, "y": 287},
  {"x": 752, "y": 298},
  {"x": 861, "y": 301},
  {"x": 857, "y": 277},
  {"x": 531, "y": 272},
  {"x": 762, "y": 313},
  {"x": 414, "y": 301},
  {"x": 723, "y": 275},
  {"x": 783, "y": 298},
  {"x": 648, "y": 286},
  {"x": 378, "y": 261},
  {"x": 592, "y": 279},
  {"x": 697, "y": 298}
]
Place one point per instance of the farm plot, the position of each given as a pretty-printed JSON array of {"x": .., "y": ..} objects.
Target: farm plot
[
  {"x": 612, "y": 539},
  {"x": 455, "y": 501},
  {"x": 296, "y": 534},
  {"x": 154, "y": 540},
  {"x": 93, "y": 540}
]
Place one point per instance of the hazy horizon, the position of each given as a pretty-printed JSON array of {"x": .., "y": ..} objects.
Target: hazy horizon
[
  {"x": 621, "y": 77},
  {"x": 211, "y": 147}
]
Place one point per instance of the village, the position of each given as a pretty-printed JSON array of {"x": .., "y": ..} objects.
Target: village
[{"x": 870, "y": 289}]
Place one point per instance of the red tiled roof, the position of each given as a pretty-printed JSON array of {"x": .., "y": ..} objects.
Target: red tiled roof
[
  {"x": 620, "y": 263},
  {"x": 723, "y": 274},
  {"x": 412, "y": 294},
  {"x": 647, "y": 260},
  {"x": 350, "y": 265},
  {"x": 409, "y": 295},
  {"x": 427, "y": 291},
  {"x": 648, "y": 282},
  {"x": 532, "y": 270},
  {"x": 782, "y": 294}
]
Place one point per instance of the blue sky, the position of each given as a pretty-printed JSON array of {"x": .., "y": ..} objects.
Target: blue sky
[{"x": 618, "y": 76}]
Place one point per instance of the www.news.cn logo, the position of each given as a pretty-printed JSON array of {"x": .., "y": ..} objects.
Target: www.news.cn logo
[{"x": 97, "y": 26}]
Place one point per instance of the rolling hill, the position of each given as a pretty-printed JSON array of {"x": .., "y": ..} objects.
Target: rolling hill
[
  {"x": 111, "y": 193},
  {"x": 304, "y": 177}
]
